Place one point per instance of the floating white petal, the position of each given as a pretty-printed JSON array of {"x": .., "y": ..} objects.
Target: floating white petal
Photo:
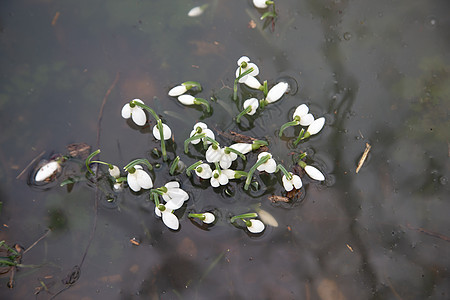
[
  {"x": 177, "y": 90},
  {"x": 186, "y": 99},
  {"x": 260, "y": 3},
  {"x": 244, "y": 148},
  {"x": 276, "y": 92},
  {"x": 170, "y": 220},
  {"x": 47, "y": 170},
  {"x": 294, "y": 182},
  {"x": 196, "y": 11},
  {"x": 256, "y": 227},
  {"x": 167, "y": 132},
  {"x": 252, "y": 82},
  {"x": 209, "y": 218},
  {"x": 307, "y": 120},
  {"x": 316, "y": 126},
  {"x": 114, "y": 172},
  {"x": 314, "y": 173}
]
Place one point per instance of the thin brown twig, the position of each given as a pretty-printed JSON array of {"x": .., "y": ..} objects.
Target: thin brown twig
[
  {"x": 100, "y": 114},
  {"x": 363, "y": 157},
  {"x": 38, "y": 240},
  {"x": 30, "y": 164},
  {"x": 430, "y": 233}
]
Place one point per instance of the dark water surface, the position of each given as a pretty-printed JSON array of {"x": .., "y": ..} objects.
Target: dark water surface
[{"x": 379, "y": 71}]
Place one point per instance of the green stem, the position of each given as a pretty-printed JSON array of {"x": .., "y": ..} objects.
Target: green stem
[
  {"x": 198, "y": 216},
  {"x": 236, "y": 81},
  {"x": 88, "y": 160},
  {"x": 299, "y": 138},
  {"x": 174, "y": 165},
  {"x": 286, "y": 125},
  {"x": 258, "y": 143},
  {"x": 244, "y": 216},
  {"x": 190, "y": 84},
  {"x": 138, "y": 161},
  {"x": 161, "y": 135},
  {"x": 285, "y": 172},
  {"x": 236, "y": 152},
  {"x": 245, "y": 111},
  {"x": 193, "y": 167},
  {"x": 192, "y": 138},
  {"x": 261, "y": 161},
  {"x": 151, "y": 111},
  {"x": 203, "y": 102}
]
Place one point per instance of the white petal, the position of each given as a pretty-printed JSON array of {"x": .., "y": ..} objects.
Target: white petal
[
  {"x": 267, "y": 218},
  {"x": 167, "y": 132},
  {"x": 316, "y": 126},
  {"x": 223, "y": 179},
  {"x": 209, "y": 134},
  {"x": 206, "y": 172},
  {"x": 244, "y": 148},
  {"x": 47, "y": 171},
  {"x": 177, "y": 90},
  {"x": 257, "y": 226},
  {"x": 297, "y": 181},
  {"x": 174, "y": 204},
  {"x": 196, "y": 11},
  {"x": 270, "y": 166},
  {"x": 255, "y": 71},
  {"x": 287, "y": 184},
  {"x": 172, "y": 184},
  {"x": 194, "y": 142},
  {"x": 252, "y": 82},
  {"x": 229, "y": 173},
  {"x": 126, "y": 111},
  {"x": 186, "y": 99},
  {"x": 260, "y": 3},
  {"x": 143, "y": 179},
  {"x": 114, "y": 172},
  {"x": 170, "y": 220},
  {"x": 306, "y": 120},
  {"x": 262, "y": 154},
  {"x": 213, "y": 155},
  {"x": 277, "y": 91},
  {"x": 201, "y": 125},
  {"x": 209, "y": 218},
  {"x": 254, "y": 103},
  {"x": 314, "y": 173},
  {"x": 132, "y": 182},
  {"x": 157, "y": 211},
  {"x": 138, "y": 116},
  {"x": 226, "y": 161},
  {"x": 300, "y": 111},
  {"x": 214, "y": 182}
]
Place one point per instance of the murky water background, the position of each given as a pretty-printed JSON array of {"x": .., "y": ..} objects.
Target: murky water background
[{"x": 379, "y": 71}]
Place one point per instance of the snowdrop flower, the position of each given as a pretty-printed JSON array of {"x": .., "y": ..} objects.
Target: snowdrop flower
[
  {"x": 253, "y": 83},
  {"x": 199, "y": 128},
  {"x": 213, "y": 154},
  {"x": 315, "y": 127},
  {"x": 244, "y": 148},
  {"x": 209, "y": 218},
  {"x": 314, "y": 173},
  {"x": 302, "y": 116},
  {"x": 47, "y": 171},
  {"x": 255, "y": 226},
  {"x": 260, "y": 3},
  {"x": 173, "y": 195},
  {"x": 250, "y": 107},
  {"x": 177, "y": 90},
  {"x": 227, "y": 159},
  {"x": 276, "y": 92},
  {"x": 218, "y": 179},
  {"x": 244, "y": 65},
  {"x": 197, "y": 11},
  {"x": 167, "y": 132},
  {"x": 169, "y": 219},
  {"x": 294, "y": 182},
  {"x": 114, "y": 171},
  {"x": 203, "y": 171},
  {"x": 139, "y": 179},
  {"x": 269, "y": 166},
  {"x": 186, "y": 99},
  {"x": 135, "y": 112}
]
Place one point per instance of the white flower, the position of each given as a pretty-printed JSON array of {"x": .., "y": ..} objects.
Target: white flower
[
  {"x": 218, "y": 179},
  {"x": 276, "y": 92},
  {"x": 118, "y": 186},
  {"x": 316, "y": 126},
  {"x": 314, "y": 173},
  {"x": 244, "y": 148},
  {"x": 227, "y": 159},
  {"x": 213, "y": 154},
  {"x": 253, "y": 103},
  {"x": 252, "y": 82},
  {"x": 186, "y": 99},
  {"x": 301, "y": 113},
  {"x": 203, "y": 171},
  {"x": 47, "y": 171},
  {"x": 136, "y": 113},
  {"x": 177, "y": 90},
  {"x": 290, "y": 184},
  {"x": 114, "y": 172},
  {"x": 269, "y": 166},
  {"x": 174, "y": 196},
  {"x": 256, "y": 226},
  {"x": 231, "y": 174},
  {"x": 139, "y": 179},
  {"x": 241, "y": 69},
  {"x": 196, "y": 11},
  {"x": 169, "y": 219},
  {"x": 209, "y": 218},
  {"x": 199, "y": 128},
  {"x": 167, "y": 132},
  {"x": 260, "y": 3}
]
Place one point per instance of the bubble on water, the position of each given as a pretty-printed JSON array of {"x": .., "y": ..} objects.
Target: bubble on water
[
  {"x": 443, "y": 180},
  {"x": 431, "y": 22},
  {"x": 347, "y": 36}
]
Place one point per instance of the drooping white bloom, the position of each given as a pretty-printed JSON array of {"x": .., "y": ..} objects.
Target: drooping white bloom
[
  {"x": 167, "y": 132},
  {"x": 229, "y": 173},
  {"x": 47, "y": 171},
  {"x": 209, "y": 218},
  {"x": 248, "y": 65},
  {"x": 253, "y": 103},
  {"x": 177, "y": 90},
  {"x": 218, "y": 179},
  {"x": 314, "y": 173},
  {"x": 169, "y": 219},
  {"x": 227, "y": 159},
  {"x": 174, "y": 196},
  {"x": 252, "y": 82},
  {"x": 196, "y": 11},
  {"x": 199, "y": 128},
  {"x": 244, "y": 148},
  {"x": 213, "y": 154},
  {"x": 269, "y": 166},
  {"x": 295, "y": 181},
  {"x": 301, "y": 113},
  {"x": 260, "y": 3},
  {"x": 136, "y": 113},
  {"x": 186, "y": 99},
  {"x": 203, "y": 171},
  {"x": 277, "y": 91},
  {"x": 316, "y": 126},
  {"x": 139, "y": 179},
  {"x": 114, "y": 172},
  {"x": 256, "y": 226}
]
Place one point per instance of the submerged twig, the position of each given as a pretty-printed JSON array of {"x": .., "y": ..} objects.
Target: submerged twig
[
  {"x": 30, "y": 164},
  {"x": 363, "y": 157}
]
